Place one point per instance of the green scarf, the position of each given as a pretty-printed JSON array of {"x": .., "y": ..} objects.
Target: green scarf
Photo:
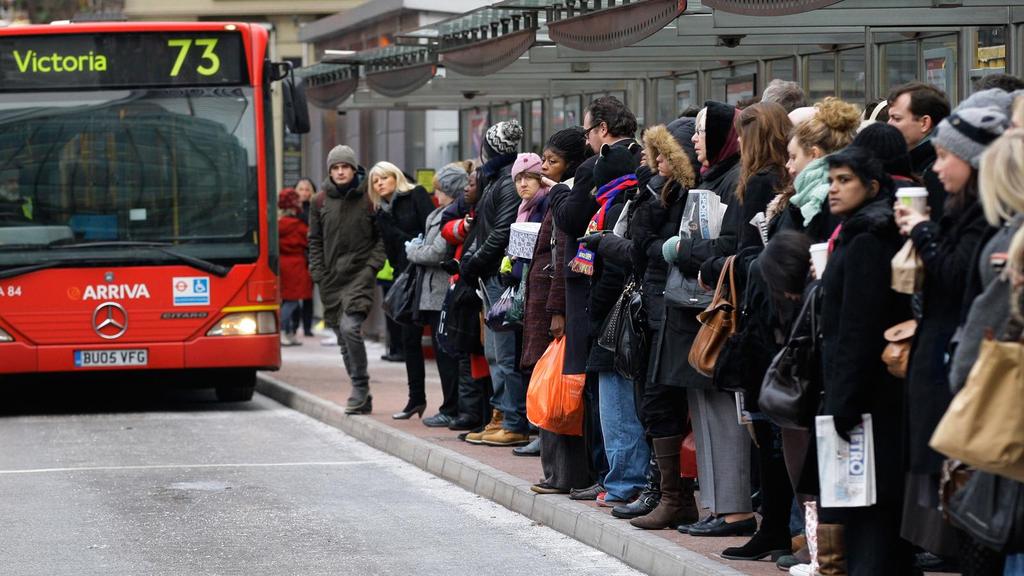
[{"x": 811, "y": 187}]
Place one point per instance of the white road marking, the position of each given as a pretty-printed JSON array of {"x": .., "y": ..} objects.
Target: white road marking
[{"x": 188, "y": 466}]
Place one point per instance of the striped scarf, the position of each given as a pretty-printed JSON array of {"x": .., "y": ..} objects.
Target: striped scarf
[{"x": 583, "y": 263}]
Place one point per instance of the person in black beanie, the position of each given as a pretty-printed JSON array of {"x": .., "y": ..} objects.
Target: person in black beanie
[
  {"x": 496, "y": 211},
  {"x": 889, "y": 146}
]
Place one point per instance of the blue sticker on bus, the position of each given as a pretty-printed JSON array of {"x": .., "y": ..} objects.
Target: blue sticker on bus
[{"x": 191, "y": 290}]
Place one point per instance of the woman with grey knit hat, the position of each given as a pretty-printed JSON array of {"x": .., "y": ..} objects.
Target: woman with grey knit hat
[
  {"x": 947, "y": 249},
  {"x": 428, "y": 252}
]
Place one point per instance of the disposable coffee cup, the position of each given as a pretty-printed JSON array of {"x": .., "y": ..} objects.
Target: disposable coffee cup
[
  {"x": 914, "y": 198},
  {"x": 819, "y": 257}
]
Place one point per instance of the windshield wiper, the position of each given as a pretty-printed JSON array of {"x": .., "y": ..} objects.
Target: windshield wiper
[
  {"x": 12, "y": 272},
  {"x": 197, "y": 263}
]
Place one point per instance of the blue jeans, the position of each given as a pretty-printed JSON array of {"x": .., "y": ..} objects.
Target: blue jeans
[
  {"x": 628, "y": 454},
  {"x": 509, "y": 388},
  {"x": 1014, "y": 565},
  {"x": 288, "y": 321}
]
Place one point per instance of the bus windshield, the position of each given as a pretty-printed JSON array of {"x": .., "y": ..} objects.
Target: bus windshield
[{"x": 121, "y": 168}]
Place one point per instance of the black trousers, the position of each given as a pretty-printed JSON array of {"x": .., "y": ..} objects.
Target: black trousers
[
  {"x": 412, "y": 347},
  {"x": 447, "y": 367},
  {"x": 304, "y": 313},
  {"x": 473, "y": 395},
  {"x": 664, "y": 410},
  {"x": 776, "y": 491},
  {"x": 592, "y": 427}
]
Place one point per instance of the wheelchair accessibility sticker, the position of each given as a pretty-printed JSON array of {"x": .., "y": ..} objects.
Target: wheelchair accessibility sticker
[{"x": 191, "y": 291}]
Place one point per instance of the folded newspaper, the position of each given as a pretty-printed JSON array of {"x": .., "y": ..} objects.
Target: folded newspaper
[
  {"x": 702, "y": 216},
  {"x": 846, "y": 470}
]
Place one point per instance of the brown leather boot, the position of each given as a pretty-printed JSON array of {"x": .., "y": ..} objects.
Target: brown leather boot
[
  {"x": 677, "y": 505},
  {"x": 831, "y": 550}
]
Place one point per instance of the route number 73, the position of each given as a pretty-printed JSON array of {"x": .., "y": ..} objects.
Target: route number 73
[{"x": 211, "y": 61}]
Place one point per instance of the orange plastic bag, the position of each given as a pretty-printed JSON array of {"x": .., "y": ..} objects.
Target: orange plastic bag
[{"x": 554, "y": 401}]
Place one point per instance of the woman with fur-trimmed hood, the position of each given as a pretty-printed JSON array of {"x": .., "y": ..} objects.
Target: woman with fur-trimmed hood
[{"x": 665, "y": 177}]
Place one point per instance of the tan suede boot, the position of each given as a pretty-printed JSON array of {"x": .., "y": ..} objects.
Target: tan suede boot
[
  {"x": 677, "y": 505},
  {"x": 497, "y": 417},
  {"x": 831, "y": 550}
]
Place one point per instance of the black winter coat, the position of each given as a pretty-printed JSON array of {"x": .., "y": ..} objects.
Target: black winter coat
[
  {"x": 858, "y": 305},
  {"x": 495, "y": 213},
  {"x": 606, "y": 286},
  {"x": 947, "y": 249},
  {"x": 406, "y": 220}
]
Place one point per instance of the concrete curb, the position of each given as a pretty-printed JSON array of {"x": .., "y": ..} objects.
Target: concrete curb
[{"x": 639, "y": 549}]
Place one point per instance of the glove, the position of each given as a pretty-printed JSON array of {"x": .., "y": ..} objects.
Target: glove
[
  {"x": 670, "y": 250},
  {"x": 643, "y": 176},
  {"x": 591, "y": 241},
  {"x": 450, "y": 266},
  {"x": 844, "y": 424}
]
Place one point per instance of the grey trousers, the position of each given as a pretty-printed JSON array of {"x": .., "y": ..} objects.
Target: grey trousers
[
  {"x": 353, "y": 350},
  {"x": 723, "y": 452}
]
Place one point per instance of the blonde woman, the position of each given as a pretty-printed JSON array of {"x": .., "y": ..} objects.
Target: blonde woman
[{"x": 401, "y": 210}]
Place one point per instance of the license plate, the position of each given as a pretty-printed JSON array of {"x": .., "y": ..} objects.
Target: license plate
[{"x": 97, "y": 358}]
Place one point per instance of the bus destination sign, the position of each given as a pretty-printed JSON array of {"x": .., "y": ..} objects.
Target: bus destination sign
[{"x": 121, "y": 60}]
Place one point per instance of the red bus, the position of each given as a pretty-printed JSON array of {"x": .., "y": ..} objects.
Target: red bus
[{"x": 137, "y": 206}]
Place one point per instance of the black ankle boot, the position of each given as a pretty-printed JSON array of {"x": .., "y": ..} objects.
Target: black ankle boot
[
  {"x": 762, "y": 544},
  {"x": 648, "y": 498}
]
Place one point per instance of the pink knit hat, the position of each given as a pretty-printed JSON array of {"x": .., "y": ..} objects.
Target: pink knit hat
[{"x": 527, "y": 162}]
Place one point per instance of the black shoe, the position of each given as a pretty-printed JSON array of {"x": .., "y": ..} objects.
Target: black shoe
[
  {"x": 393, "y": 357},
  {"x": 438, "y": 420},
  {"x": 589, "y": 493},
  {"x": 642, "y": 506},
  {"x": 531, "y": 449},
  {"x": 685, "y": 528},
  {"x": 365, "y": 408},
  {"x": 409, "y": 410},
  {"x": 464, "y": 422},
  {"x": 719, "y": 527},
  {"x": 929, "y": 562},
  {"x": 760, "y": 546}
]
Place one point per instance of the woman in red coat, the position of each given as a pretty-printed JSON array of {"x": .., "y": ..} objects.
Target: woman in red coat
[{"x": 296, "y": 283}]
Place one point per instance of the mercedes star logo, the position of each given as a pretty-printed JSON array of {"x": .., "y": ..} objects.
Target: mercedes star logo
[{"x": 110, "y": 320}]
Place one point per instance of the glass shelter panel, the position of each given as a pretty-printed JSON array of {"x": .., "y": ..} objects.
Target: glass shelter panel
[
  {"x": 851, "y": 75},
  {"x": 898, "y": 64},
  {"x": 940, "y": 64},
  {"x": 821, "y": 76}
]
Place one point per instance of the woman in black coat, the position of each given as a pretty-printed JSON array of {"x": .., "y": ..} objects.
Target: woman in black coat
[
  {"x": 723, "y": 447},
  {"x": 858, "y": 305},
  {"x": 947, "y": 249},
  {"x": 401, "y": 212}
]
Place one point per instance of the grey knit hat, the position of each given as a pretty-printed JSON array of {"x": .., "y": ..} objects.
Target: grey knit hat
[
  {"x": 504, "y": 137},
  {"x": 342, "y": 154},
  {"x": 968, "y": 132},
  {"x": 452, "y": 180},
  {"x": 991, "y": 98}
]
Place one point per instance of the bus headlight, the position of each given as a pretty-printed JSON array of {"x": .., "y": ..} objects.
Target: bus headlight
[
  {"x": 245, "y": 324},
  {"x": 5, "y": 336}
]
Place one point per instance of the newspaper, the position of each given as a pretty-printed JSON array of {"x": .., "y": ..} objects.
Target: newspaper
[
  {"x": 761, "y": 223},
  {"x": 702, "y": 217},
  {"x": 846, "y": 470}
]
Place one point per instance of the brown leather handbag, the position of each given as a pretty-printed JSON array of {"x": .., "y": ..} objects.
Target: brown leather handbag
[
  {"x": 897, "y": 352},
  {"x": 718, "y": 322}
]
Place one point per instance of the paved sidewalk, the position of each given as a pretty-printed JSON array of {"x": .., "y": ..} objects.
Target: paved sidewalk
[{"x": 313, "y": 381}]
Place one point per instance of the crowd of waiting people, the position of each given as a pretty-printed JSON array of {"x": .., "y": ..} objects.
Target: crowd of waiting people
[{"x": 616, "y": 215}]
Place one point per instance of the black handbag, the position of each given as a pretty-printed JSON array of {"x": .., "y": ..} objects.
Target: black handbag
[
  {"x": 991, "y": 509},
  {"x": 401, "y": 303},
  {"x": 791, "y": 390},
  {"x": 625, "y": 332},
  {"x": 460, "y": 317}
]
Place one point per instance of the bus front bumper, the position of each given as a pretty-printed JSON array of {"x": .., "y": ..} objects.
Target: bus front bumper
[{"x": 262, "y": 351}]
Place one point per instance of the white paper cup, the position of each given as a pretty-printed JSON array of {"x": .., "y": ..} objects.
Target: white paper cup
[
  {"x": 915, "y": 198},
  {"x": 819, "y": 257}
]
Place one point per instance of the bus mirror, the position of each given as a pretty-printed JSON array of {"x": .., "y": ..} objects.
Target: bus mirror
[{"x": 296, "y": 111}]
